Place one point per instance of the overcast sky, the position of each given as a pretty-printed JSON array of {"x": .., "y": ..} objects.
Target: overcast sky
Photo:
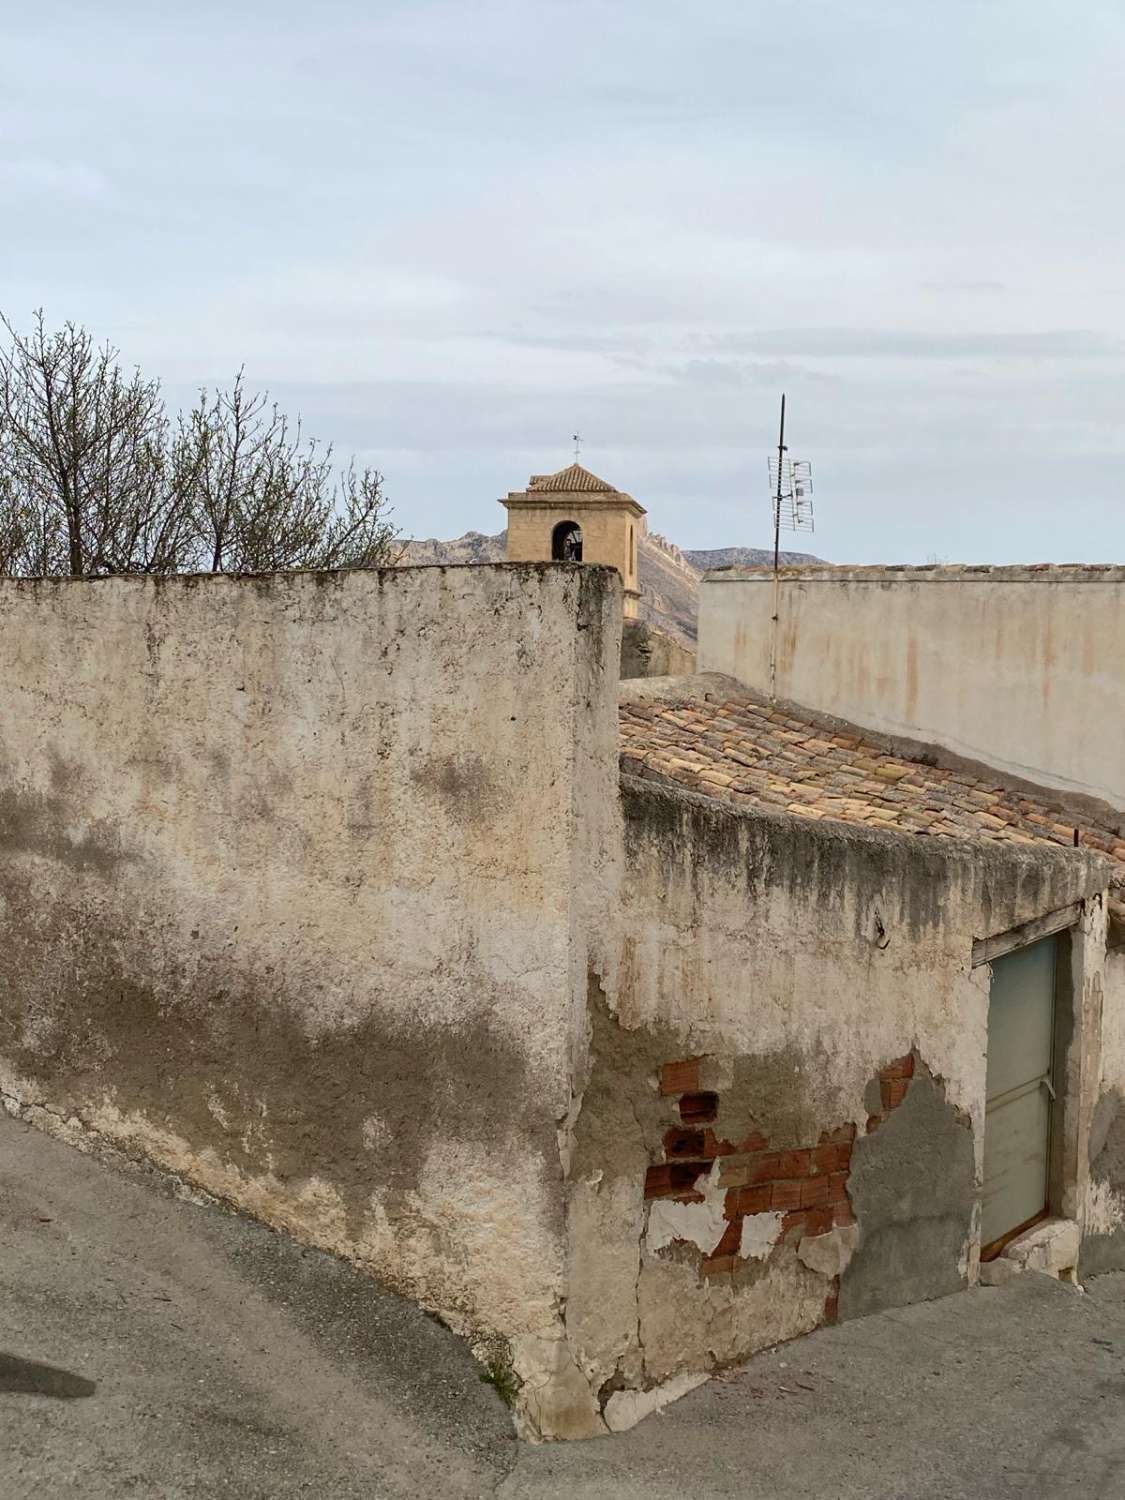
[{"x": 450, "y": 232}]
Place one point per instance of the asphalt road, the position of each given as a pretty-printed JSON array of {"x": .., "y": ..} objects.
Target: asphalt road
[{"x": 155, "y": 1348}]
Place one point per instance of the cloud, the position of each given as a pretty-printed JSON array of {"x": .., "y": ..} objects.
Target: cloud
[
  {"x": 880, "y": 343},
  {"x": 452, "y": 235}
]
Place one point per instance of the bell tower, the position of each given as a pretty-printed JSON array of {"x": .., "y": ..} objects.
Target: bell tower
[{"x": 573, "y": 516}]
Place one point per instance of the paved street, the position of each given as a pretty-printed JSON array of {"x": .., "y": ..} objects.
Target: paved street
[{"x": 154, "y": 1348}]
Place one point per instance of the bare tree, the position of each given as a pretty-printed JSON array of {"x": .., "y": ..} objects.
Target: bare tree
[
  {"x": 84, "y": 452},
  {"x": 95, "y": 479}
]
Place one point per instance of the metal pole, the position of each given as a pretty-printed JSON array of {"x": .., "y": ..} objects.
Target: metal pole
[{"x": 777, "y": 553}]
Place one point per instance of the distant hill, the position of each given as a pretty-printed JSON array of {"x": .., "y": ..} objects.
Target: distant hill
[
  {"x": 669, "y": 577},
  {"x": 746, "y": 557}
]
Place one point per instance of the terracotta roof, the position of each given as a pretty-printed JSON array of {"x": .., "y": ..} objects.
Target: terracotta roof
[
  {"x": 574, "y": 480},
  {"x": 739, "y": 749}
]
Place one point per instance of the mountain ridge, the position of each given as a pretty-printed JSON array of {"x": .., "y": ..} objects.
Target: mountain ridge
[{"x": 669, "y": 575}]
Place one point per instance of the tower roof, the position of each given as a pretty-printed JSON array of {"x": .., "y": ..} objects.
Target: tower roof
[{"x": 574, "y": 480}]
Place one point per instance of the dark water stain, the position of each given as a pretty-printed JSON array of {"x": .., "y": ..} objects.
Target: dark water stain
[
  {"x": 101, "y": 1004},
  {"x": 26, "y": 1377},
  {"x": 40, "y": 823}
]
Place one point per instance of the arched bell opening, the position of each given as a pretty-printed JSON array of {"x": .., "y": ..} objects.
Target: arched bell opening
[{"x": 566, "y": 542}]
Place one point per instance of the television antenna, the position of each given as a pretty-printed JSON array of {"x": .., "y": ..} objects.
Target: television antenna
[{"x": 790, "y": 483}]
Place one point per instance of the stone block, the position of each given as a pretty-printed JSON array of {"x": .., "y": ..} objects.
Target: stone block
[{"x": 1051, "y": 1247}]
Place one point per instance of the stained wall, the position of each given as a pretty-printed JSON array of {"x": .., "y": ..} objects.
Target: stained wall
[
  {"x": 783, "y": 1122},
  {"x": 1016, "y": 667},
  {"x": 288, "y": 904}
]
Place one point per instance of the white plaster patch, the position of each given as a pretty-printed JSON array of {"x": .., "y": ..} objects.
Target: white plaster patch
[
  {"x": 760, "y": 1233},
  {"x": 700, "y": 1224},
  {"x": 625, "y": 1409}
]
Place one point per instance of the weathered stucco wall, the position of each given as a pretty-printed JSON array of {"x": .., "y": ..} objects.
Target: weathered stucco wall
[
  {"x": 1010, "y": 666},
  {"x": 288, "y": 903},
  {"x": 784, "y": 1118},
  {"x": 1103, "y": 1248}
]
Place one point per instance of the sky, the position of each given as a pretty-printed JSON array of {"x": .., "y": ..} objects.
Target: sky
[{"x": 450, "y": 233}]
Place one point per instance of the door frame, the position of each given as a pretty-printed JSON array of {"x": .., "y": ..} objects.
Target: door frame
[{"x": 1076, "y": 1054}]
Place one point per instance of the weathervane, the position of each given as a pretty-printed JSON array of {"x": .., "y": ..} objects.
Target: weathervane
[{"x": 576, "y": 439}]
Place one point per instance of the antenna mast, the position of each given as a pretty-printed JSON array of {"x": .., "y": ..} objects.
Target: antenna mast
[{"x": 790, "y": 488}]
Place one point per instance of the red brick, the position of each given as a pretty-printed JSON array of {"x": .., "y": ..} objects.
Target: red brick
[
  {"x": 750, "y": 1200},
  {"x": 842, "y": 1214},
  {"x": 814, "y": 1192},
  {"x": 795, "y": 1220},
  {"x": 698, "y": 1108},
  {"x": 756, "y": 1141},
  {"x": 873, "y": 1122},
  {"x": 903, "y": 1067},
  {"x": 794, "y": 1164},
  {"x": 818, "y": 1220},
  {"x": 675, "y": 1179},
  {"x": 838, "y": 1187},
  {"x": 713, "y": 1146},
  {"x": 832, "y": 1307},
  {"x": 680, "y": 1144},
  {"x": 786, "y": 1195},
  {"x": 892, "y": 1091},
  {"x": 680, "y": 1077},
  {"x": 764, "y": 1166},
  {"x": 835, "y": 1158},
  {"x": 731, "y": 1240},
  {"x": 720, "y": 1265}
]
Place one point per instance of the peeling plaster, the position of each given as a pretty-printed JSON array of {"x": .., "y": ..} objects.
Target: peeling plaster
[
  {"x": 625, "y": 1409},
  {"x": 760, "y": 1233},
  {"x": 700, "y": 1224}
]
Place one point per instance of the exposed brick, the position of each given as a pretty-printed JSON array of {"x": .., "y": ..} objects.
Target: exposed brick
[
  {"x": 682, "y": 1143},
  {"x": 794, "y": 1164},
  {"x": 744, "y": 1171},
  {"x": 749, "y": 1200},
  {"x": 754, "y": 1142},
  {"x": 819, "y": 1220},
  {"x": 873, "y": 1123},
  {"x": 698, "y": 1108},
  {"x": 674, "y": 1179},
  {"x": 731, "y": 1240},
  {"x": 720, "y": 1265},
  {"x": 838, "y": 1187},
  {"x": 736, "y": 1171},
  {"x": 680, "y": 1077},
  {"x": 814, "y": 1192},
  {"x": 892, "y": 1091},
  {"x": 836, "y": 1158},
  {"x": 713, "y": 1146},
  {"x": 902, "y": 1068},
  {"x": 832, "y": 1306},
  {"x": 786, "y": 1195},
  {"x": 842, "y": 1214}
]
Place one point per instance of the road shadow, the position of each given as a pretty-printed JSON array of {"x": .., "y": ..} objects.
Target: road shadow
[{"x": 25, "y": 1377}]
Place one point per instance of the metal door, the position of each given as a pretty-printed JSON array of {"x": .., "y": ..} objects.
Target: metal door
[{"x": 1020, "y": 1088}]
